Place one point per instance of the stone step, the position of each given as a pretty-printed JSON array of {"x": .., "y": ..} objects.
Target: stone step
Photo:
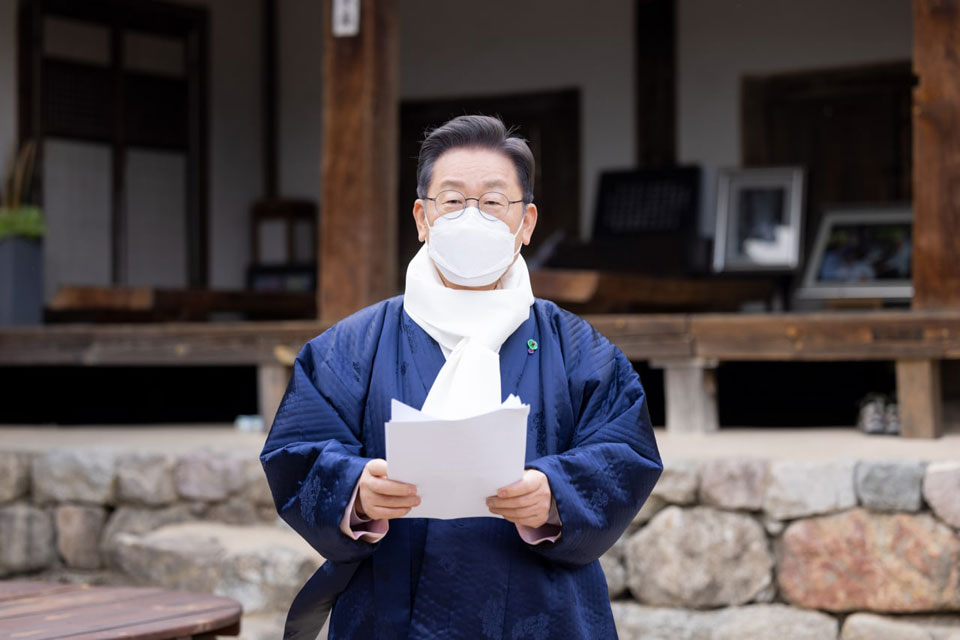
[{"x": 261, "y": 566}]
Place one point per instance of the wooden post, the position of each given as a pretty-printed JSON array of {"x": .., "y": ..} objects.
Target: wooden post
[
  {"x": 358, "y": 211},
  {"x": 936, "y": 154},
  {"x": 936, "y": 199},
  {"x": 690, "y": 390},
  {"x": 919, "y": 398},
  {"x": 272, "y": 382},
  {"x": 655, "y": 55}
]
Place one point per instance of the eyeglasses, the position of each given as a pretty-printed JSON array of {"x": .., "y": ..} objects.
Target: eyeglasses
[{"x": 493, "y": 205}]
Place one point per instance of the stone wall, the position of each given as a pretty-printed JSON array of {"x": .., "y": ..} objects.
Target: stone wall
[
  {"x": 66, "y": 508},
  {"x": 204, "y": 522},
  {"x": 723, "y": 548},
  {"x": 791, "y": 550}
]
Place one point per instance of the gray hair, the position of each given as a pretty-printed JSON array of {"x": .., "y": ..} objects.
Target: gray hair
[{"x": 483, "y": 132}]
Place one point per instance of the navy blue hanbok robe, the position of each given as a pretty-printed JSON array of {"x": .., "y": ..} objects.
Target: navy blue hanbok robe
[{"x": 589, "y": 431}]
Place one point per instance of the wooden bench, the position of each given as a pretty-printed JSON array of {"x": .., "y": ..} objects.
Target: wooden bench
[{"x": 43, "y": 611}]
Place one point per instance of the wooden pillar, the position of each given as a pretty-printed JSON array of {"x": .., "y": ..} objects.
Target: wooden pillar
[
  {"x": 919, "y": 398},
  {"x": 358, "y": 206},
  {"x": 936, "y": 154},
  {"x": 936, "y": 199},
  {"x": 690, "y": 390},
  {"x": 272, "y": 382},
  {"x": 655, "y": 45}
]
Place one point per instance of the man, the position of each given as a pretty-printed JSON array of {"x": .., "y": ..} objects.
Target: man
[{"x": 466, "y": 333}]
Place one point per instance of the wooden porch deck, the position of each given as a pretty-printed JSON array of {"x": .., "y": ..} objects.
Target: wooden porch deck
[{"x": 687, "y": 346}]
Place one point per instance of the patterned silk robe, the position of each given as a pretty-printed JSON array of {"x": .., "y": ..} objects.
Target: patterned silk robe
[{"x": 589, "y": 431}]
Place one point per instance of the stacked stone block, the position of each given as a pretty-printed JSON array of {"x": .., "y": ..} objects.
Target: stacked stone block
[
  {"x": 792, "y": 550},
  {"x": 203, "y": 521},
  {"x": 723, "y": 548}
]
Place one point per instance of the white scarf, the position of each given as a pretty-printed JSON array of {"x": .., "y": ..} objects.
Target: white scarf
[{"x": 470, "y": 327}]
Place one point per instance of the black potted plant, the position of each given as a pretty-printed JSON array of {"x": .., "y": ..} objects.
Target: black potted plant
[{"x": 21, "y": 244}]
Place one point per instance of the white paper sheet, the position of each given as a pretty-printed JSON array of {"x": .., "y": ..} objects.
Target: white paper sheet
[{"x": 456, "y": 464}]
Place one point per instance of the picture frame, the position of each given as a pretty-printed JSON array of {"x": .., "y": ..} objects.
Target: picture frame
[
  {"x": 759, "y": 219},
  {"x": 861, "y": 252}
]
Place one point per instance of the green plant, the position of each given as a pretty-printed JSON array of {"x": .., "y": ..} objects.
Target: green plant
[{"x": 18, "y": 218}]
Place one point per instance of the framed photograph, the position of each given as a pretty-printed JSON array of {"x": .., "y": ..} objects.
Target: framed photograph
[
  {"x": 861, "y": 253},
  {"x": 759, "y": 219}
]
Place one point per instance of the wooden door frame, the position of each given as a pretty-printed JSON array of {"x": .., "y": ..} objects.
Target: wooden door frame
[{"x": 153, "y": 16}]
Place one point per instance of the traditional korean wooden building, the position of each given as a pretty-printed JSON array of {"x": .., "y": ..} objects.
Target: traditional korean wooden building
[{"x": 248, "y": 142}]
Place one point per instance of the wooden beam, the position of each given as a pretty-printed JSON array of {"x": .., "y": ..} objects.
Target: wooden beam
[
  {"x": 269, "y": 91},
  {"x": 919, "y": 398},
  {"x": 646, "y": 336},
  {"x": 197, "y": 165},
  {"x": 822, "y": 337},
  {"x": 655, "y": 42},
  {"x": 174, "y": 344},
  {"x": 30, "y": 124},
  {"x": 357, "y": 257},
  {"x": 119, "y": 222},
  {"x": 936, "y": 153},
  {"x": 825, "y": 337}
]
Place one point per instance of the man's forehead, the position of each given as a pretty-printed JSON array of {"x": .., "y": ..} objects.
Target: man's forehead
[
  {"x": 482, "y": 167},
  {"x": 454, "y": 182}
]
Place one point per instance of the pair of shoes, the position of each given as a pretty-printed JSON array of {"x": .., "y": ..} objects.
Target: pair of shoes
[{"x": 878, "y": 414}]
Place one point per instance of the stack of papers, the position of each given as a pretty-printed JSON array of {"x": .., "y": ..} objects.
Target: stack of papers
[{"x": 456, "y": 464}]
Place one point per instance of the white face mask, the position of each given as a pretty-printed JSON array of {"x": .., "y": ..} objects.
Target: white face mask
[{"x": 470, "y": 250}]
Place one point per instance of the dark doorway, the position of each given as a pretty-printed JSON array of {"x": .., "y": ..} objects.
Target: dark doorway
[{"x": 549, "y": 121}]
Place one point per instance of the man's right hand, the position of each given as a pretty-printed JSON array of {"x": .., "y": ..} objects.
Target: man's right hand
[{"x": 380, "y": 498}]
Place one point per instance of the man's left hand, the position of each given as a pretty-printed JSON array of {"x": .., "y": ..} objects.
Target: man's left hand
[{"x": 526, "y": 501}]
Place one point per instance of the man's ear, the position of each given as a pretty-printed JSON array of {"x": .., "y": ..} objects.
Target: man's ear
[
  {"x": 529, "y": 223},
  {"x": 420, "y": 217}
]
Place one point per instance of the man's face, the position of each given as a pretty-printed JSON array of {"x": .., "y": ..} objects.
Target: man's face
[{"x": 474, "y": 172}]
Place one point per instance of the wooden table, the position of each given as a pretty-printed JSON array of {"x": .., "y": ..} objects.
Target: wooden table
[{"x": 42, "y": 610}]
